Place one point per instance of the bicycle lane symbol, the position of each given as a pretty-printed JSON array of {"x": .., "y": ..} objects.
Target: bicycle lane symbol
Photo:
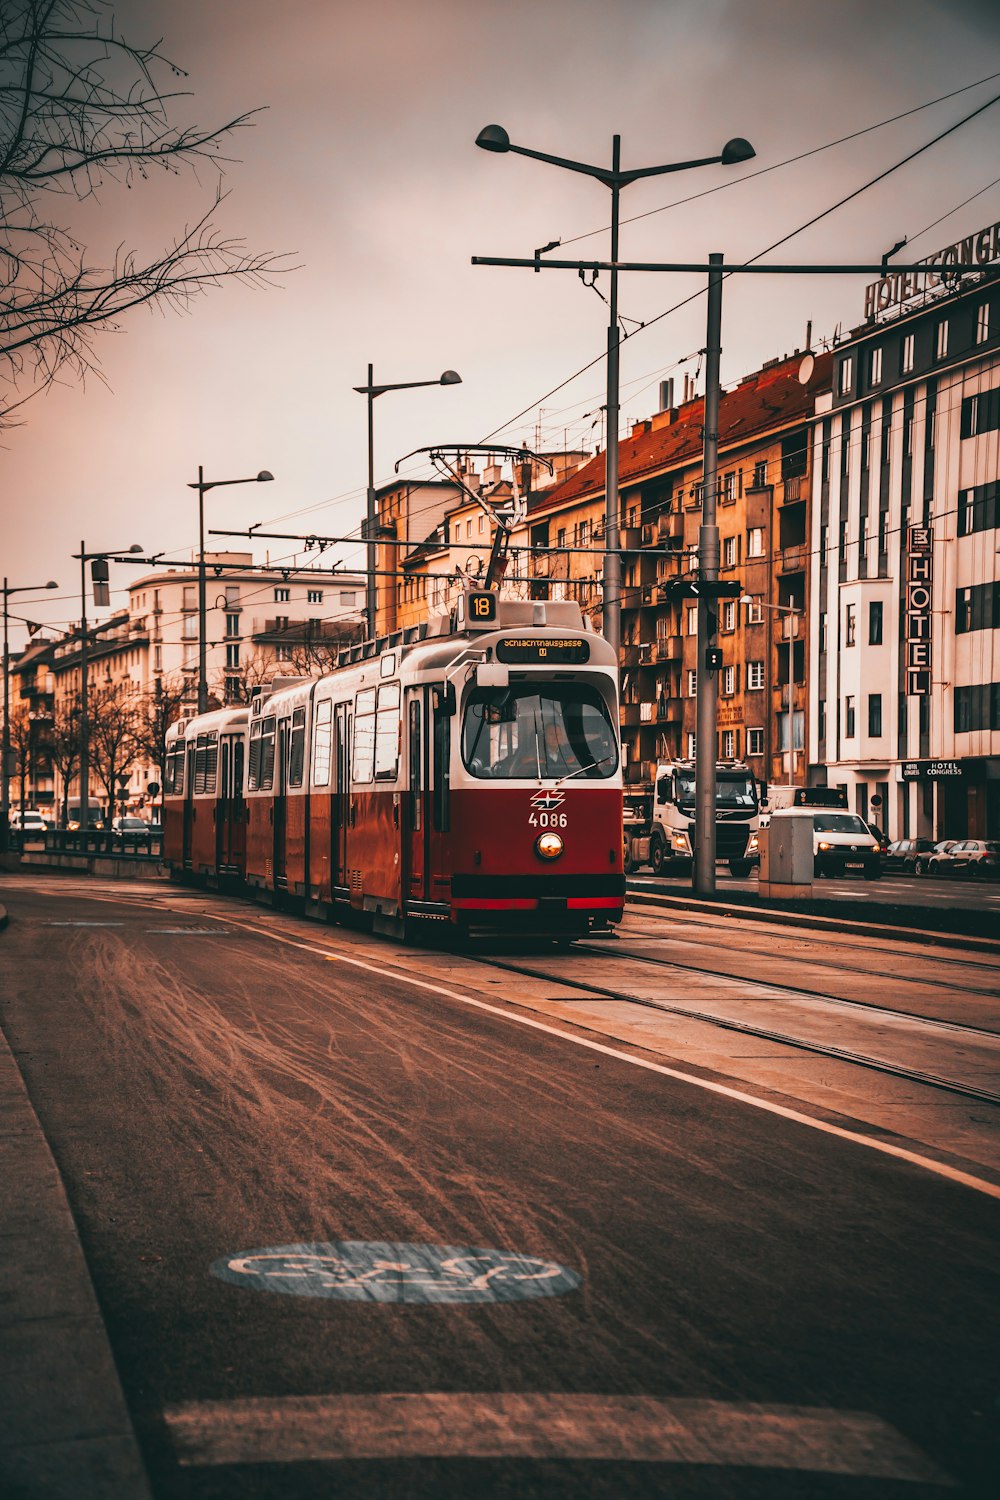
[{"x": 388, "y": 1271}]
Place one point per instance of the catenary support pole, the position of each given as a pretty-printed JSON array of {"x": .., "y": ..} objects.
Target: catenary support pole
[
  {"x": 612, "y": 616},
  {"x": 84, "y": 702},
  {"x": 708, "y": 607},
  {"x": 371, "y": 594},
  {"x": 5, "y": 744}
]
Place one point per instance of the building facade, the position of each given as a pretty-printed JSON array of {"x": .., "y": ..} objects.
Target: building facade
[{"x": 905, "y": 628}]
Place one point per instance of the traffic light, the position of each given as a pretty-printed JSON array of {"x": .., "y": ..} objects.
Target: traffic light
[{"x": 99, "y": 576}]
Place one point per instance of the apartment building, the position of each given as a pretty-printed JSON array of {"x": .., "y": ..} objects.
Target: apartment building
[{"x": 904, "y": 635}]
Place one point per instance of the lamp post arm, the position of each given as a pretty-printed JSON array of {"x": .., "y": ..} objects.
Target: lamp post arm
[
  {"x": 398, "y": 385},
  {"x": 624, "y": 178}
]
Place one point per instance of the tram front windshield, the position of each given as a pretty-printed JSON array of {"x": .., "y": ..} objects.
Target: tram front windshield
[{"x": 555, "y": 729}]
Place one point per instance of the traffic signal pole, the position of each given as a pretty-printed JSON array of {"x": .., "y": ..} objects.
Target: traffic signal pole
[{"x": 708, "y": 604}]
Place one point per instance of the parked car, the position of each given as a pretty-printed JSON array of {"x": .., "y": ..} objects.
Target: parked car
[
  {"x": 935, "y": 862},
  {"x": 131, "y": 831},
  {"x": 30, "y": 821},
  {"x": 975, "y": 857},
  {"x": 903, "y": 854}
]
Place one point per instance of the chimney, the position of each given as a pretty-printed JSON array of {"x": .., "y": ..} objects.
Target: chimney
[{"x": 666, "y": 394}]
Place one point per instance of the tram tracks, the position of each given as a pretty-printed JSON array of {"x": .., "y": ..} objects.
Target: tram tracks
[{"x": 925, "y": 1076}]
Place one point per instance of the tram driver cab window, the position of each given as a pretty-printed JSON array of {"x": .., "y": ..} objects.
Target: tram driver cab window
[{"x": 553, "y": 730}]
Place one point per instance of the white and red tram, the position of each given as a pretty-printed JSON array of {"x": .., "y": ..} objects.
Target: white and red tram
[{"x": 465, "y": 772}]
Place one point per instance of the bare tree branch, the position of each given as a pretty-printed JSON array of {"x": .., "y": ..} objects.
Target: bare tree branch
[{"x": 80, "y": 107}]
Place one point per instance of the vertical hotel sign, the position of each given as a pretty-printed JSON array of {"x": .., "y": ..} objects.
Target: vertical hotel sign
[{"x": 919, "y": 594}]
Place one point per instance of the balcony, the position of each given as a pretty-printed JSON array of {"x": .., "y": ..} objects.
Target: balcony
[
  {"x": 793, "y": 490},
  {"x": 669, "y": 711},
  {"x": 795, "y": 559},
  {"x": 670, "y": 648},
  {"x": 384, "y": 526}
]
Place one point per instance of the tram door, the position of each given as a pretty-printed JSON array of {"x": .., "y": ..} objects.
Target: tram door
[
  {"x": 237, "y": 822},
  {"x": 417, "y": 822},
  {"x": 224, "y": 804},
  {"x": 188, "y": 803},
  {"x": 340, "y": 816},
  {"x": 281, "y": 805}
]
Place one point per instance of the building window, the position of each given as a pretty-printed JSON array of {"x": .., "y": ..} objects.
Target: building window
[
  {"x": 692, "y": 683},
  {"x": 729, "y": 552},
  {"x": 584, "y": 533},
  {"x": 190, "y": 597},
  {"x": 850, "y": 726},
  {"x": 728, "y": 681},
  {"x": 759, "y": 475},
  {"x": 875, "y": 366},
  {"x": 842, "y": 544},
  {"x": 729, "y": 490},
  {"x": 875, "y": 622},
  {"x": 281, "y": 622},
  {"x": 755, "y": 612},
  {"x": 729, "y": 614},
  {"x": 982, "y": 322},
  {"x": 755, "y": 742},
  {"x": 850, "y": 625},
  {"x": 821, "y": 719},
  {"x": 977, "y": 707},
  {"x": 692, "y": 619},
  {"x": 692, "y": 743},
  {"x": 755, "y": 676},
  {"x": 232, "y": 596},
  {"x": 561, "y": 537},
  {"x": 981, "y": 413},
  {"x": 232, "y": 656},
  {"x": 906, "y": 359},
  {"x": 728, "y": 744},
  {"x": 189, "y": 627},
  {"x": 347, "y": 599},
  {"x": 157, "y": 658},
  {"x": 874, "y": 715},
  {"x": 941, "y": 339},
  {"x": 822, "y": 632},
  {"x": 314, "y": 596},
  {"x": 977, "y": 608},
  {"x": 282, "y": 596},
  {"x": 232, "y": 624},
  {"x": 979, "y": 509},
  {"x": 755, "y": 541},
  {"x": 846, "y": 376}
]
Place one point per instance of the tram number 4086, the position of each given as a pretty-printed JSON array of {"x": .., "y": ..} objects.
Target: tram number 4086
[{"x": 548, "y": 820}]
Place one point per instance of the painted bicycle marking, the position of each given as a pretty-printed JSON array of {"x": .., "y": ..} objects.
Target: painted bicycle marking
[{"x": 385, "y": 1271}]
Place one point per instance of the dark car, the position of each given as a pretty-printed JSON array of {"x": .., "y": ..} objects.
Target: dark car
[
  {"x": 902, "y": 855},
  {"x": 131, "y": 832},
  {"x": 936, "y": 861}
]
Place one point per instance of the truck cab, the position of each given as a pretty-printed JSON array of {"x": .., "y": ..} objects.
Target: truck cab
[{"x": 666, "y": 841}]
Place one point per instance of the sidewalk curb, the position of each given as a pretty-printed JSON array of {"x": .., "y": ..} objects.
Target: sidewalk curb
[
  {"x": 720, "y": 908},
  {"x": 65, "y": 1431}
]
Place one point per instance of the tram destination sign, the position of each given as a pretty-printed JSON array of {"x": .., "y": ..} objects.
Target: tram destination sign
[
  {"x": 556, "y": 650},
  {"x": 898, "y": 288}
]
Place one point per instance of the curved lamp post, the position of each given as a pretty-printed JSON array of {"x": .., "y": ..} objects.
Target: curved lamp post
[
  {"x": 495, "y": 138},
  {"x": 449, "y": 377},
  {"x": 203, "y": 485}
]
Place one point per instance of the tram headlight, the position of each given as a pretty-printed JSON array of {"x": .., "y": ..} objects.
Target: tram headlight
[{"x": 548, "y": 846}]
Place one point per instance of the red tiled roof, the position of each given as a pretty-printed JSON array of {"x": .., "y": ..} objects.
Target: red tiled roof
[{"x": 770, "y": 399}]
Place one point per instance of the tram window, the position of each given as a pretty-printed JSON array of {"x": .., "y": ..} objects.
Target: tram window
[
  {"x": 173, "y": 773},
  {"x": 253, "y": 773},
  {"x": 267, "y": 754},
  {"x": 539, "y": 730},
  {"x": 238, "y": 754},
  {"x": 322, "y": 742},
  {"x": 364, "y": 736},
  {"x": 387, "y": 733},
  {"x": 297, "y": 747},
  {"x": 206, "y": 761},
  {"x": 442, "y": 770}
]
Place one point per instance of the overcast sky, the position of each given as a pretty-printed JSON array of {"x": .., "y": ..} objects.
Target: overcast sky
[{"x": 363, "y": 167}]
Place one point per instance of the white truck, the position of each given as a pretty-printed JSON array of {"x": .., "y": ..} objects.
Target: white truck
[{"x": 659, "y": 820}]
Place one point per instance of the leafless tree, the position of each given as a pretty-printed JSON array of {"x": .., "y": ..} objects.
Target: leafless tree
[
  {"x": 114, "y": 724},
  {"x": 156, "y": 711},
  {"x": 81, "y": 106},
  {"x": 22, "y": 744},
  {"x": 303, "y": 652},
  {"x": 62, "y": 740}
]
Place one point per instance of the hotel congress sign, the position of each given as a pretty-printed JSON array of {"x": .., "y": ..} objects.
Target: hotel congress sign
[{"x": 899, "y": 288}]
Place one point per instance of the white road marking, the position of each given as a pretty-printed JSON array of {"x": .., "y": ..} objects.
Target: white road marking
[
  {"x": 858, "y": 1137},
  {"x": 83, "y": 924},
  {"x": 469, "y": 1424}
]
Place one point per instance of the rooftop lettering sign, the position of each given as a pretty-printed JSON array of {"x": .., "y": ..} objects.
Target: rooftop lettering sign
[{"x": 900, "y": 287}]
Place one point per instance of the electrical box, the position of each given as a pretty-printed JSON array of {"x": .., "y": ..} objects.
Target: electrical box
[{"x": 786, "y": 856}]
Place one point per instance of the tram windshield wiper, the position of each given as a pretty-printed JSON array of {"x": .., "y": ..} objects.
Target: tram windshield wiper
[{"x": 591, "y": 766}]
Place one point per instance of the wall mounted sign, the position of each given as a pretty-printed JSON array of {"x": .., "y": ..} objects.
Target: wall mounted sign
[
  {"x": 902, "y": 286},
  {"x": 389, "y": 1271},
  {"x": 919, "y": 598}
]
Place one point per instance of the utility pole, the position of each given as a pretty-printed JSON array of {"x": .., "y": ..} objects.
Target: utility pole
[{"x": 708, "y": 604}]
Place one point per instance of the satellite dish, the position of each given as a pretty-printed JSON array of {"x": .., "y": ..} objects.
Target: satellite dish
[{"x": 806, "y": 369}]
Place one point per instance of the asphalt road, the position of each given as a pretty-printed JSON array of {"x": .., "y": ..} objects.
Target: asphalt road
[
  {"x": 208, "y": 1091},
  {"x": 891, "y": 890}
]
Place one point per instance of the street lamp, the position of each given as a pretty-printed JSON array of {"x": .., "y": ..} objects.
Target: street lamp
[
  {"x": 449, "y": 377},
  {"x": 85, "y": 558},
  {"x": 794, "y": 614},
  {"x": 8, "y": 589},
  {"x": 203, "y": 485},
  {"x": 495, "y": 138}
]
